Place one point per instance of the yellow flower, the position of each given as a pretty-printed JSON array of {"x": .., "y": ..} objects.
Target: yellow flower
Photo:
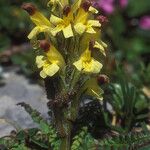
[
  {"x": 97, "y": 42},
  {"x": 88, "y": 64},
  {"x": 51, "y": 63},
  {"x": 93, "y": 89},
  {"x": 62, "y": 25},
  {"x": 41, "y": 22},
  {"x": 82, "y": 24}
]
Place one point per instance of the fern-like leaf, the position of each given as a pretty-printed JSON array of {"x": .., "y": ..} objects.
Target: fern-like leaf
[
  {"x": 132, "y": 141},
  {"x": 43, "y": 125},
  {"x": 78, "y": 139}
]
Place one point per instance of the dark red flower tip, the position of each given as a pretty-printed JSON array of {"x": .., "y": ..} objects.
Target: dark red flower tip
[
  {"x": 91, "y": 44},
  {"x": 29, "y": 7},
  {"x": 66, "y": 10},
  {"x": 45, "y": 45},
  {"x": 102, "y": 79},
  {"x": 102, "y": 19},
  {"x": 85, "y": 5}
]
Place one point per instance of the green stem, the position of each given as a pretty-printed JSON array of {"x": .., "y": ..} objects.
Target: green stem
[
  {"x": 65, "y": 143},
  {"x": 59, "y": 123},
  {"x": 64, "y": 128}
]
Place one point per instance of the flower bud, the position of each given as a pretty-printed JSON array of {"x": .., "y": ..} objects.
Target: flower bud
[
  {"x": 45, "y": 45},
  {"x": 91, "y": 44},
  {"x": 29, "y": 7},
  {"x": 102, "y": 79},
  {"x": 102, "y": 19},
  {"x": 85, "y": 5},
  {"x": 66, "y": 10}
]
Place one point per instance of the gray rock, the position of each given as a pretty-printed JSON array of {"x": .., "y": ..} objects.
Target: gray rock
[{"x": 18, "y": 89}]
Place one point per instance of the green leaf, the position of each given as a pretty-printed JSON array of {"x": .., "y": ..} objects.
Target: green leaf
[
  {"x": 44, "y": 127},
  {"x": 41, "y": 144},
  {"x": 138, "y": 7},
  {"x": 20, "y": 147}
]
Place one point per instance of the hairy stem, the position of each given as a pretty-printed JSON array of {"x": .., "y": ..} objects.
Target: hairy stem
[{"x": 65, "y": 143}]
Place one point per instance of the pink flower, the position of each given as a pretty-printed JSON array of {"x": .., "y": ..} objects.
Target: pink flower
[
  {"x": 106, "y": 5},
  {"x": 123, "y": 3},
  {"x": 144, "y": 23}
]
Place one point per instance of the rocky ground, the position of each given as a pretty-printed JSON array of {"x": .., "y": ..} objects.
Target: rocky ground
[{"x": 18, "y": 89}]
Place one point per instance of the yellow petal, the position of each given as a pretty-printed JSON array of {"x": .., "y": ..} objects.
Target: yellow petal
[
  {"x": 76, "y": 5},
  {"x": 52, "y": 2},
  {"x": 39, "y": 19},
  {"x": 80, "y": 28},
  {"x": 101, "y": 46},
  {"x": 95, "y": 66},
  {"x": 55, "y": 20},
  {"x": 55, "y": 57},
  {"x": 35, "y": 31},
  {"x": 93, "y": 89},
  {"x": 78, "y": 65},
  {"x": 45, "y": 29},
  {"x": 93, "y": 23},
  {"x": 104, "y": 44},
  {"x": 39, "y": 61},
  {"x": 57, "y": 29},
  {"x": 81, "y": 16},
  {"x": 92, "y": 67},
  {"x": 90, "y": 24},
  {"x": 93, "y": 10},
  {"x": 88, "y": 64},
  {"x": 43, "y": 74},
  {"x": 64, "y": 2},
  {"x": 90, "y": 30},
  {"x": 67, "y": 31},
  {"x": 99, "y": 96},
  {"x": 86, "y": 55},
  {"x": 69, "y": 18},
  {"x": 51, "y": 69}
]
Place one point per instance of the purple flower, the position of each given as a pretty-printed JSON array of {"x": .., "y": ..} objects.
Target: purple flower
[
  {"x": 123, "y": 3},
  {"x": 144, "y": 23},
  {"x": 106, "y": 5}
]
